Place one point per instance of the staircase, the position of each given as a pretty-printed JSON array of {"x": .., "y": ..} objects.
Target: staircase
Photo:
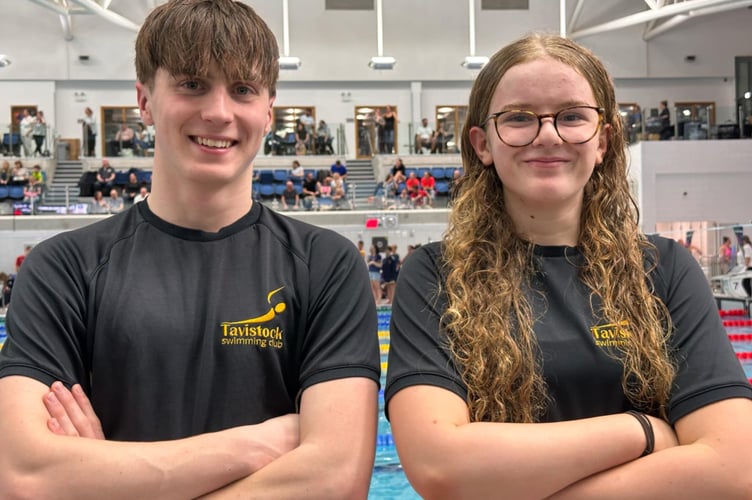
[
  {"x": 361, "y": 181},
  {"x": 67, "y": 175}
]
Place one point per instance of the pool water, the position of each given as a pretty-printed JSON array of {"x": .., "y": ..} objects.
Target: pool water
[{"x": 388, "y": 481}]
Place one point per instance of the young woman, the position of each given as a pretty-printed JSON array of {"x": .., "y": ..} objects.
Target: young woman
[
  {"x": 374, "y": 272},
  {"x": 545, "y": 345}
]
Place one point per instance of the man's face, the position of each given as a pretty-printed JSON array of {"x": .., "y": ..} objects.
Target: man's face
[{"x": 210, "y": 129}]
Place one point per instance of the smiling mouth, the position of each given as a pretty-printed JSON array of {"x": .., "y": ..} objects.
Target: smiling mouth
[{"x": 213, "y": 143}]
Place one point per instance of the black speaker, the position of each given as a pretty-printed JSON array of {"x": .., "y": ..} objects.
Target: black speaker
[{"x": 380, "y": 243}]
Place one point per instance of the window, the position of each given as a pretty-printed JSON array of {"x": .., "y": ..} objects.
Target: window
[
  {"x": 451, "y": 119},
  {"x": 285, "y": 120},
  {"x": 694, "y": 119},
  {"x": 112, "y": 118},
  {"x": 372, "y": 133}
]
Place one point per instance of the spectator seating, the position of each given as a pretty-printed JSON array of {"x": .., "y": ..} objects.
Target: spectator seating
[
  {"x": 12, "y": 144},
  {"x": 281, "y": 175},
  {"x": 16, "y": 192},
  {"x": 438, "y": 173},
  {"x": 4, "y": 192}
]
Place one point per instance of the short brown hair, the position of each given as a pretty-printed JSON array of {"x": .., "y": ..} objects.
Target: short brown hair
[{"x": 184, "y": 37}]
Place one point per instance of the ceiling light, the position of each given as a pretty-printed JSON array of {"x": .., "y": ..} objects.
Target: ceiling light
[
  {"x": 475, "y": 62},
  {"x": 4, "y": 61},
  {"x": 289, "y": 62},
  {"x": 382, "y": 62}
]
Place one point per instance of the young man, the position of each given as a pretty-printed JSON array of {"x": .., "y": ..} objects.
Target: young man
[{"x": 206, "y": 331}]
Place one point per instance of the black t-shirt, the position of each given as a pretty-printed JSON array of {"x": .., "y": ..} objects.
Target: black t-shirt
[
  {"x": 389, "y": 268},
  {"x": 175, "y": 332},
  {"x": 581, "y": 378}
]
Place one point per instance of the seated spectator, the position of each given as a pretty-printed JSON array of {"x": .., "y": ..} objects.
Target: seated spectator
[
  {"x": 290, "y": 199},
  {"x": 37, "y": 177},
  {"x": 339, "y": 168},
  {"x": 115, "y": 202},
  {"x": 338, "y": 182},
  {"x": 393, "y": 186},
  {"x": 6, "y": 174},
  {"x": 309, "y": 191},
  {"x": 441, "y": 137},
  {"x": 398, "y": 166},
  {"x": 414, "y": 192},
  {"x": 425, "y": 138},
  {"x": 297, "y": 173},
  {"x": 142, "y": 140},
  {"x": 453, "y": 183},
  {"x": 323, "y": 139},
  {"x": 131, "y": 188},
  {"x": 339, "y": 198},
  {"x": 142, "y": 194},
  {"x": 98, "y": 204},
  {"x": 325, "y": 188},
  {"x": 123, "y": 140},
  {"x": 428, "y": 184},
  {"x": 105, "y": 177},
  {"x": 20, "y": 174},
  {"x": 302, "y": 139}
]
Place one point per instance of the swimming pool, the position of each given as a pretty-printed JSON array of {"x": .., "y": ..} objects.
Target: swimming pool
[{"x": 388, "y": 480}]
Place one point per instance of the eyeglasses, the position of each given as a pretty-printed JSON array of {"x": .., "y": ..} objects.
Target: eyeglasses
[{"x": 574, "y": 125}]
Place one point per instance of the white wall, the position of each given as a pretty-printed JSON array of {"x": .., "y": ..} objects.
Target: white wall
[{"x": 695, "y": 180}]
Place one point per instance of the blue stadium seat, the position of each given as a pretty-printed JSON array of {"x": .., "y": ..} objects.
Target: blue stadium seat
[
  {"x": 16, "y": 192},
  {"x": 438, "y": 173},
  {"x": 422, "y": 171},
  {"x": 266, "y": 190},
  {"x": 410, "y": 169},
  {"x": 121, "y": 178},
  {"x": 279, "y": 188},
  {"x": 4, "y": 192},
  {"x": 266, "y": 177},
  {"x": 281, "y": 175},
  {"x": 442, "y": 187}
]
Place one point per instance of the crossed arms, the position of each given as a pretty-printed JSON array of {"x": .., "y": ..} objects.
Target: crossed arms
[{"x": 326, "y": 451}]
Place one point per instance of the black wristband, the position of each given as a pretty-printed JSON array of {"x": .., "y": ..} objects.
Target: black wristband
[{"x": 647, "y": 427}]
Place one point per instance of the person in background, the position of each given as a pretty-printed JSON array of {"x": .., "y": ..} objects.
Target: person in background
[
  {"x": 39, "y": 133},
  {"x": 26, "y": 129},
  {"x": 425, "y": 138},
  {"x": 115, "y": 203},
  {"x": 20, "y": 259},
  {"x": 338, "y": 167},
  {"x": 544, "y": 319},
  {"x": 667, "y": 131},
  {"x": 142, "y": 381},
  {"x": 89, "y": 126},
  {"x": 323, "y": 139},
  {"x": 724, "y": 255},
  {"x": 297, "y": 172},
  {"x": 142, "y": 194},
  {"x": 105, "y": 177},
  {"x": 374, "y": 272}
]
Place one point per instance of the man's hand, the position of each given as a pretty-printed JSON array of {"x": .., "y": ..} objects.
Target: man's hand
[{"x": 71, "y": 413}]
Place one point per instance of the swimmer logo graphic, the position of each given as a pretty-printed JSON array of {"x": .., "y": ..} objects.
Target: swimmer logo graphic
[{"x": 252, "y": 331}]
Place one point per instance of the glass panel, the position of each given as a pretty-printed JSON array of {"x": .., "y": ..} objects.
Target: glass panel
[
  {"x": 631, "y": 119},
  {"x": 694, "y": 119},
  {"x": 119, "y": 130},
  {"x": 376, "y": 128},
  {"x": 293, "y": 131},
  {"x": 450, "y": 120}
]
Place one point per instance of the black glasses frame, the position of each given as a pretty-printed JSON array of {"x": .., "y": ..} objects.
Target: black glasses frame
[{"x": 495, "y": 116}]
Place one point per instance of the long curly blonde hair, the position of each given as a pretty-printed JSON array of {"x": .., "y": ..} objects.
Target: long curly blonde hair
[{"x": 489, "y": 321}]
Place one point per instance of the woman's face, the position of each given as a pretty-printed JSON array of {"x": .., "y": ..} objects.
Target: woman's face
[{"x": 548, "y": 173}]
